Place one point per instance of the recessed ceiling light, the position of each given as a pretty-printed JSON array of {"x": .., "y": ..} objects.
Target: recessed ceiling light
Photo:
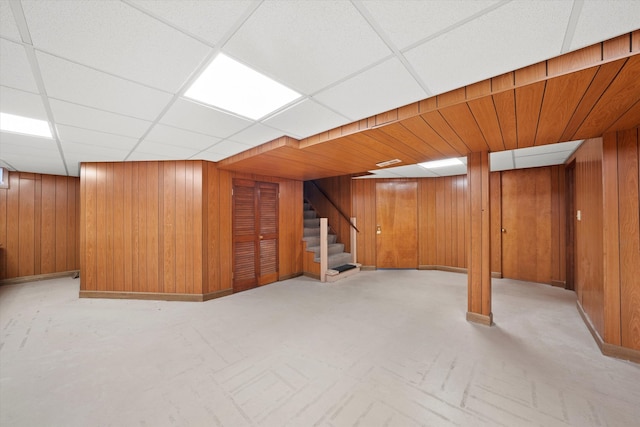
[
  {"x": 24, "y": 125},
  {"x": 441, "y": 163},
  {"x": 234, "y": 87}
]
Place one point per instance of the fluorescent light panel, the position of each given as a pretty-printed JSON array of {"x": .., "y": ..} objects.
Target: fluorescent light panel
[
  {"x": 441, "y": 163},
  {"x": 234, "y": 87},
  {"x": 24, "y": 125}
]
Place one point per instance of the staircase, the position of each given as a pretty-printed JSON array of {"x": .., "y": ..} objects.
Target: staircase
[{"x": 340, "y": 263}]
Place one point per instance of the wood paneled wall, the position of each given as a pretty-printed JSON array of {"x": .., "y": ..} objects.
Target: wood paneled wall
[
  {"x": 621, "y": 238},
  {"x": 339, "y": 189},
  {"x": 39, "y": 232},
  {"x": 588, "y": 231},
  {"x": 165, "y": 227},
  {"x": 142, "y": 227}
]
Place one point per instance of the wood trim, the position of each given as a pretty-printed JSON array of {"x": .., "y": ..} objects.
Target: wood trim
[
  {"x": 480, "y": 318},
  {"x": 494, "y": 274},
  {"x": 368, "y": 268},
  {"x": 289, "y": 276},
  {"x": 155, "y": 296},
  {"x": 559, "y": 284},
  {"x": 607, "y": 349},
  {"x": 38, "y": 277}
]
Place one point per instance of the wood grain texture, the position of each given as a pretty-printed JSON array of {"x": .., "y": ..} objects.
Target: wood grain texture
[
  {"x": 339, "y": 191},
  {"x": 495, "y": 182},
  {"x": 38, "y": 228},
  {"x": 397, "y": 219}
]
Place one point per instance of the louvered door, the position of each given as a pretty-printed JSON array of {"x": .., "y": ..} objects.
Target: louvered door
[{"x": 255, "y": 234}]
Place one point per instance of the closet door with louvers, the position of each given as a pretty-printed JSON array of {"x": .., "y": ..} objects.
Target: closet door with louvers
[{"x": 255, "y": 234}]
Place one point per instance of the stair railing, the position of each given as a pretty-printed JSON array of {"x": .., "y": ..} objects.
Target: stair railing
[
  {"x": 324, "y": 248},
  {"x": 326, "y": 196}
]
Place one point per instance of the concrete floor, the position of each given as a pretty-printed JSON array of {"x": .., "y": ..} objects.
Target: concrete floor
[{"x": 384, "y": 348}]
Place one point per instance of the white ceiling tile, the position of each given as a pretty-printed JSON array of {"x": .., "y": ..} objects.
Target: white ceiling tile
[
  {"x": 179, "y": 137},
  {"x": 307, "y": 45},
  {"x": 383, "y": 173},
  {"x": 14, "y": 145},
  {"x": 412, "y": 171},
  {"x": 117, "y": 38},
  {"x": 77, "y": 152},
  {"x": 541, "y": 160},
  {"x": 417, "y": 20},
  {"x": 90, "y": 118},
  {"x": 189, "y": 115},
  {"x": 604, "y": 19},
  {"x": 15, "y": 71},
  {"x": 306, "y": 118},
  {"x": 210, "y": 156},
  {"x": 71, "y": 82},
  {"x": 384, "y": 87},
  {"x": 171, "y": 151},
  {"x": 22, "y": 103},
  {"x": 256, "y": 135},
  {"x": 209, "y": 20},
  {"x": 49, "y": 166},
  {"x": 450, "y": 170},
  {"x": 541, "y": 149},
  {"x": 515, "y": 35},
  {"x": 228, "y": 148},
  {"x": 140, "y": 156},
  {"x": 91, "y": 137},
  {"x": 501, "y": 160},
  {"x": 8, "y": 27}
]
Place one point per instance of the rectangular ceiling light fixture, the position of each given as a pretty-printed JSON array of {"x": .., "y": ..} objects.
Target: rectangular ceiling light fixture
[
  {"x": 234, "y": 87},
  {"x": 24, "y": 125},
  {"x": 441, "y": 163},
  {"x": 388, "y": 162}
]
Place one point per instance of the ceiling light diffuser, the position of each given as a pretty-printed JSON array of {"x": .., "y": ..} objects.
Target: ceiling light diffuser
[
  {"x": 234, "y": 87},
  {"x": 24, "y": 125},
  {"x": 441, "y": 163}
]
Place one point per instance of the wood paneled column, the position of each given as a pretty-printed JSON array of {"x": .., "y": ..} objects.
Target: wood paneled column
[{"x": 479, "y": 250}]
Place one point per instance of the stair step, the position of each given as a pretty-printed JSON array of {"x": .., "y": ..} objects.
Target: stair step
[
  {"x": 307, "y": 206},
  {"x": 311, "y": 232},
  {"x": 337, "y": 259},
  {"x": 332, "y": 248},
  {"x": 310, "y": 214},
  {"x": 315, "y": 240},
  {"x": 312, "y": 222}
]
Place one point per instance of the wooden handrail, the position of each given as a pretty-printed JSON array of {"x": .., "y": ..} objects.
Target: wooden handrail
[{"x": 326, "y": 196}]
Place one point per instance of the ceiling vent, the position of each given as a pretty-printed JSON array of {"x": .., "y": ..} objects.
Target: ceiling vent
[{"x": 388, "y": 163}]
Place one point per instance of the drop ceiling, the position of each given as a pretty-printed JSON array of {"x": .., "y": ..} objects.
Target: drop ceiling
[{"x": 110, "y": 76}]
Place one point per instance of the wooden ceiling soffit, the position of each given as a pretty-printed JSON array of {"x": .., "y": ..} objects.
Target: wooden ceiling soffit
[{"x": 574, "y": 96}]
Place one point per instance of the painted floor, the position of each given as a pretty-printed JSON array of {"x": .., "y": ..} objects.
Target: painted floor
[{"x": 383, "y": 348}]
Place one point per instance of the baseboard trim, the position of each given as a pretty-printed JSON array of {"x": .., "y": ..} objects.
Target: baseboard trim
[
  {"x": 607, "y": 349},
  {"x": 290, "y": 276},
  {"x": 311, "y": 275},
  {"x": 480, "y": 318},
  {"x": 38, "y": 277},
  {"x": 559, "y": 284},
  {"x": 368, "y": 268},
  {"x": 494, "y": 274},
  {"x": 158, "y": 296}
]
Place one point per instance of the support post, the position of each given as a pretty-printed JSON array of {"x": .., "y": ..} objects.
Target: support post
[
  {"x": 324, "y": 249},
  {"x": 479, "y": 249}
]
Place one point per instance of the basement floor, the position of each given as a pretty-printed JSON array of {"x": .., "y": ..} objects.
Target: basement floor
[{"x": 382, "y": 348}]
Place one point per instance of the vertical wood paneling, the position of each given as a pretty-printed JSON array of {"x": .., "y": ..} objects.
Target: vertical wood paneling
[
  {"x": 589, "y": 231},
  {"x": 38, "y": 231},
  {"x": 629, "y": 217},
  {"x": 181, "y": 221},
  {"x": 118, "y": 220},
  {"x": 495, "y": 181},
  {"x": 363, "y": 191}
]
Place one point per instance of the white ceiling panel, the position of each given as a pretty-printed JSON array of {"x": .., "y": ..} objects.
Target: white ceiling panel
[
  {"x": 604, "y": 19},
  {"x": 91, "y": 137},
  {"x": 179, "y": 137},
  {"x": 382, "y": 173},
  {"x": 140, "y": 156},
  {"x": 46, "y": 165},
  {"x": 417, "y": 20},
  {"x": 189, "y": 115},
  {"x": 386, "y": 86},
  {"x": 81, "y": 85},
  {"x": 305, "y": 119},
  {"x": 413, "y": 171},
  {"x": 75, "y": 152},
  {"x": 501, "y": 161},
  {"x": 256, "y": 135},
  {"x": 8, "y": 27},
  {"x": 517, "y": 34},
  {"x": 210, "y": 156},
  {"x": 541, "y": 160},
  {"x": 208, "y": 20},
  {"x": 15, "y": 70},
  {"x": 114, "y": 37},
  {"x": 20, "y": 150},
  {"x": 90, "y": 118},
  {"x": 22, "y": 103},
  {"x": 229, "y": 148},
  {"x": 547, "y": 149},
  {"x": 172, "y": 151},
  {"x": 307, "y": 45}
]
